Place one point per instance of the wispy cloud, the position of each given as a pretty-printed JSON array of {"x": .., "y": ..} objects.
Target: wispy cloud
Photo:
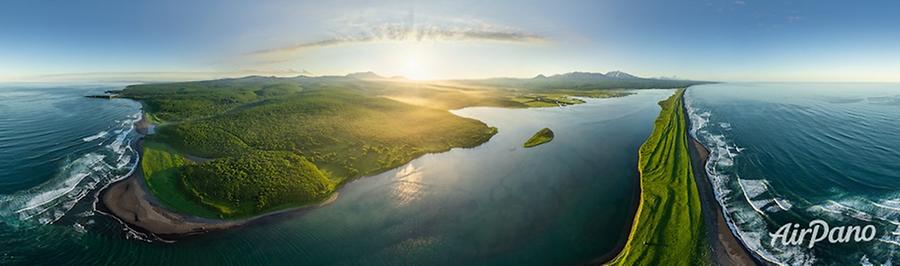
[
  {"x": 154, "y": 76},
  {"x": 361, "y": 31}
]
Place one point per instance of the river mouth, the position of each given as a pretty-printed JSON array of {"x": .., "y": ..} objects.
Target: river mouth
[{"x": 568, "y": 201}]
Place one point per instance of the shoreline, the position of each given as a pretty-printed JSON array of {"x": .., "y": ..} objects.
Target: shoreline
[
  {"x": 130, "y": 201},
  {"x": 668, "y": 225},
  {"x": 608, "y": 257},
  {"x": 726, "y": 248}
]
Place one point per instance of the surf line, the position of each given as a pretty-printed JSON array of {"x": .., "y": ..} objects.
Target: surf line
[{"x": 818, "y": 231}]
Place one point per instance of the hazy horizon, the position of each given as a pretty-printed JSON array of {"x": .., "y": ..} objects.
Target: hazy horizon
[
  {"x": 747, "y": 41},
  {"x": 87, "y": 79}
]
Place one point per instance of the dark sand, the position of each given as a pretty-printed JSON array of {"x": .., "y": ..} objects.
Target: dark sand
[
  {"x": 129, "y": 200},
  {"x": 726, "y": 248}
]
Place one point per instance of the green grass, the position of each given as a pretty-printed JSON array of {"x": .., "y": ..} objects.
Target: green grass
[
  {"x": 562, "y": 97},
  {"x": 233, "y": 187},
  {"x": 339, "y": 128},
  {"x": 152, "y": 119},
  {"x": 542, "y": 136},
  {"x": 668, "y": 227},
  {"x": 160, "y": 165},
  {"x": 455, "y": 95},
  {"x": 320, "y": 134},
  {"x": 545, "y": 100}
]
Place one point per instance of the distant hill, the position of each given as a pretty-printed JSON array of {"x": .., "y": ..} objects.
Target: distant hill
[
  {"x": 584, "y": 81},
  {"x": 364, "y": 75},
  {"x": 572, "y": 81}
]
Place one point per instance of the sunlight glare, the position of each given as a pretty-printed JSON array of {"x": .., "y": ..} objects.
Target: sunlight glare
[{"x": 417, "y": 67}]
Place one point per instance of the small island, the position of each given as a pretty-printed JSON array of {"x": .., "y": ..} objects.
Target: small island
[
  {"x": 543, "y": 136},
  {"x": 220, "y": 153}
]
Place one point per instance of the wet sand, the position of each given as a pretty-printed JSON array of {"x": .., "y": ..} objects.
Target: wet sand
[
  {"x": 129, "y": 201},
  {"x": 726, "y": 248}
]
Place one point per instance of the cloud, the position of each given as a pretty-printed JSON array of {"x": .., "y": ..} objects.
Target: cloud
[
  {"x": 155, "y": 76},
  {"x": 740, "y": 3},
  {"x": 356, "y": 31}
]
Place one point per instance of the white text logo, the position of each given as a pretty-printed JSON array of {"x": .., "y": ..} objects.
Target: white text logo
[{"x": 818, "y": 231}]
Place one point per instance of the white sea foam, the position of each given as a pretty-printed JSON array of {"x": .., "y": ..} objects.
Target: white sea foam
[
  {"x": 119, "y": 144},
  {"x": 52, "y": 200},
  {"x": 699, "y": 121},
  {"x": 757, "y": 192},
  {"x": 79, "y": 228},
  {"x": 742, "y": 211},
  {"x": 753, "y": 187},
  {"x": 95, "y": 136},
  {"x": 864, "y": 261},
  {"x": 73, "y": 174},
  {"x": 744, "y": 215},
  {"x": 884, "y": 210},
  {"x": 784, "y": 204},
  {"x": 856, "y": 209},
  {"x": 892, "y": 242},
  {"x": 123, "y": 161}
]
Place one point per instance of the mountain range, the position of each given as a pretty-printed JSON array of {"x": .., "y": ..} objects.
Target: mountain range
[{"x": 566, "y": 81}]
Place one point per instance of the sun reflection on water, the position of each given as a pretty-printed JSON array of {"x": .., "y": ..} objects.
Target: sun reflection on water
[{"x": 408, "y": 186}]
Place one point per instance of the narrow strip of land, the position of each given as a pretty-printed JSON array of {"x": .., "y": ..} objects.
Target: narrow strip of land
[
  {"x": 726, "y": 248},
  {"x": 668, "y": 227}
]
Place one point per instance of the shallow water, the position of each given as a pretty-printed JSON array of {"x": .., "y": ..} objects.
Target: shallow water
[
  {"x": 793, "y": 153},
  {"x": 564, "y": 202}
]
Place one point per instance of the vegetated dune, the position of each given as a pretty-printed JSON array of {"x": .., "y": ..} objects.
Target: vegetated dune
[
  {"x": 668, "y": 226},
  {"x": 341, "y": 127}
]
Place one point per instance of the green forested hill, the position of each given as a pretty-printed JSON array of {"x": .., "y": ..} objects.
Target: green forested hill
[
  {"x": 334, "y": 128},
  {"x": 332, "y": 131},
  {"x": 256, "y": 180}
]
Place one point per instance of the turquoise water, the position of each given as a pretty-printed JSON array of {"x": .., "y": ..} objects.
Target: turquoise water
[
  {"x": 564, "y": 202},
  {"x": 793, "y": 153}
]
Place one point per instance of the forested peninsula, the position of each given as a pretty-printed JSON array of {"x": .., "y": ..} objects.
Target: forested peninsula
[{"x": 237, "y": 148}]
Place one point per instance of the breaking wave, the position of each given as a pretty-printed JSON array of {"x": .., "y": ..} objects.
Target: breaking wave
[
  {"x": 750, "y": 203},
  {"x": 77, "y": 178},
  {"x": 97, "y": 136},
  {"x": 746, "y": 202}
]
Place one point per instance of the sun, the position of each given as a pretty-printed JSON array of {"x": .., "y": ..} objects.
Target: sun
[{"x": 417, "y": 66}]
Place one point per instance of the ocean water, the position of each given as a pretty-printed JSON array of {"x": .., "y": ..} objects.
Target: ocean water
[
  {"x": 565, "y": 202},
  {"x": 794, "y": 153}
]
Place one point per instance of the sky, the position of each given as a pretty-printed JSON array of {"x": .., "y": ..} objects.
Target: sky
[{"x": 730, "y": 40}]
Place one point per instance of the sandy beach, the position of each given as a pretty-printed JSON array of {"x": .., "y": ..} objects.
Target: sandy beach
[
  {"x": 130, "y": 201},
  {"x": 726, "y": 248}
]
